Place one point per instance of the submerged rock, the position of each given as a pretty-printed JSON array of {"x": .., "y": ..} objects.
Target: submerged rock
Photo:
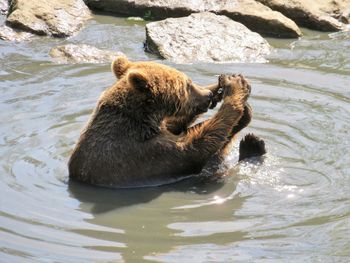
[
  {"x": 82, "y": 54},
  {"x": 252, "y": 14},
  {"x": 59, "y": 18},
  {"x": 314, "y": 14},
  {"x": 205, "y": 37},
  {"x": 9, "y": 34}
]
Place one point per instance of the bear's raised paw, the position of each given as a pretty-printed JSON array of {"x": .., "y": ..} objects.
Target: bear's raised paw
[{"x": 235, "y": 86}]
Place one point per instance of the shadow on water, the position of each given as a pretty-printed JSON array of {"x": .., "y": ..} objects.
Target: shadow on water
[
  {"x": 113, "y": 208},
  {"x": 107, "y": 199}
]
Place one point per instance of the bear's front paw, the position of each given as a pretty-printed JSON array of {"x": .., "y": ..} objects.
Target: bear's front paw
[
  {"x": 235, "y": 86},
  {"x": 243, "y": 85},
  {"x": 225, "y": 84}
]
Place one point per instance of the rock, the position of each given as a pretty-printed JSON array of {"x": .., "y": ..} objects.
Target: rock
[
  {"x": 205, "y": 37},
  {"x": 252, "y": 14},
  {"x": 260, "y": 18},
  {"x": 9, "y": 34},
  {"x": 4, "y": 6},
  {"x": 313, "y": 14},
  {"x": 339, "y": 9},
  {"x": 152, "y": 9},
  {"x": 82, "y": 54},
  {"x": 59, "y": 18},
  {"x": 135, "y": 18}
]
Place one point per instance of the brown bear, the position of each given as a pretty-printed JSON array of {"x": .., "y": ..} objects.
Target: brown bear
[{"x": 139, "y": 133}]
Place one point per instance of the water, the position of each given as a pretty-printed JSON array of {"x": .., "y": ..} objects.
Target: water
[{"x": 295, "y": 207}]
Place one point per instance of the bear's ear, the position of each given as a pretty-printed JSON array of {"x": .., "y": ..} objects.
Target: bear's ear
[
  {"x": 138, "y": 80},
  {"x": 120, "y": 66}
]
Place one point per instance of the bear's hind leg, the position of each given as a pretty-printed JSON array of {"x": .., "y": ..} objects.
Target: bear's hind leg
[{"x": 251, "y": 146}]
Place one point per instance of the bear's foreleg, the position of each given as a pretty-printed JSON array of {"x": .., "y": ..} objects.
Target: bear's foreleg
[
  {"x": 244, "y": 121},
  {"x": 207, "y": 138},
  {"x": 178, "y": 124}
]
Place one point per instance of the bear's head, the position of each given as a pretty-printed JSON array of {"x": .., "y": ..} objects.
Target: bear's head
[{"x": 161, "y": 88}]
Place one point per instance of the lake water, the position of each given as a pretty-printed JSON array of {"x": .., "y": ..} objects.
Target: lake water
[{"x": 295, "y": 207}]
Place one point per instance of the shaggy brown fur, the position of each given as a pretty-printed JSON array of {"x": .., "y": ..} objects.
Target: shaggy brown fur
[{"x": 139, "y": 132}]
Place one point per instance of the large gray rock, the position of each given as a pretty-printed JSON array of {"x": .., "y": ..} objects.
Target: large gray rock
[
  {"x": 82, "y": 54},
  {"x": 59, "y": 18},
  {"x": 155, "y": 9},
  {"x": 9, "y": 34},
  {"x": 254, "y": 15},
  {"x": 319, "y": 15},
  {"x": 205, "y": 37},
  {"x": 4, "y": 6},
  {"x": 339, "y": 9},
  {"x": 260, "y": 18}
]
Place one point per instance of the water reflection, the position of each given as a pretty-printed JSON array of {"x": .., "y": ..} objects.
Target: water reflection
[
  {"x": 105, "y": 199},
  {"x": 112, "y": 208}
]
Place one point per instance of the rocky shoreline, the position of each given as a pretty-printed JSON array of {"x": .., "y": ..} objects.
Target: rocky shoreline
[{"x": 182, "y": 31}]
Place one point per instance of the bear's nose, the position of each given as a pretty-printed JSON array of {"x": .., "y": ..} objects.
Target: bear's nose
[
  {"x": 209, "y": 95},
  {"x": 208, "y": 99}
]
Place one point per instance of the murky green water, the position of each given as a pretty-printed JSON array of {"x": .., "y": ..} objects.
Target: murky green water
[{"x": 293, "y": 208}]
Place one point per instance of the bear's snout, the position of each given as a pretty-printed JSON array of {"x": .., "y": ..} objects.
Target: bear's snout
[
  {"x": 210, "y": 95},
  {"x": 204, "y": 100}
]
